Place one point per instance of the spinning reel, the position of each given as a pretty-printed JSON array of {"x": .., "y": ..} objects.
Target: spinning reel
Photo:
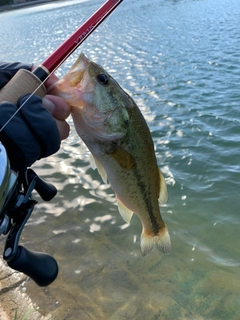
[{"x": 16, "y": 206}]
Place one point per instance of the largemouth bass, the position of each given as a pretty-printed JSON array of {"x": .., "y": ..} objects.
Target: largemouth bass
[{"x": 114, "y": 130}]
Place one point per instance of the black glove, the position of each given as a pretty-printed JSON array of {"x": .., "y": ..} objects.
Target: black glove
[
  {"x": 32, "y": 134},
  {"x": 8, "y": 70}
]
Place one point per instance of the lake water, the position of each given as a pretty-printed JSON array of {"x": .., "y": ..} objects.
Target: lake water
[{"x": 179, "y": 60}]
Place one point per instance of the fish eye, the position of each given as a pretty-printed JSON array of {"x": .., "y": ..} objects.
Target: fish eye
[{"x": 103, "y": 79}]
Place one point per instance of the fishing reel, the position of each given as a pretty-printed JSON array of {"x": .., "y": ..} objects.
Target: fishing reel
[{"x": 16, "y": 206}]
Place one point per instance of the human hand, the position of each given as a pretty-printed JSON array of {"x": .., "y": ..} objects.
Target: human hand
[
  {"x": 35, "y": 131},
  {"x": 55, "y": 105}
]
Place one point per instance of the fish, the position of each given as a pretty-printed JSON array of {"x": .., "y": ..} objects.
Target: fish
[{"x": 114, "y": 130}]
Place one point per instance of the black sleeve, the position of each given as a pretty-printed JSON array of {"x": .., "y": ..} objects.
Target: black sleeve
[
  {"x": 32, "y": 133},
  {"x": 8, "y": 70}
]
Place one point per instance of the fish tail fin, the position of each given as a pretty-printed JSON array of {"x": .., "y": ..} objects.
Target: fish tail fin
[{"x": 161, "y": 241}]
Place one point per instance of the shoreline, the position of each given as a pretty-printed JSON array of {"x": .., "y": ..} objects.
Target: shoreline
[
  {"x": 14, "y": 300},
  {"x": 16, "y": 6}
]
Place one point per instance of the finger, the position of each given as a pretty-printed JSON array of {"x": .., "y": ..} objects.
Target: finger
[
  {"x": 57, "y": 106},
  {"x": 52, "y": 79},
  {"x": 63, "y": 128}
]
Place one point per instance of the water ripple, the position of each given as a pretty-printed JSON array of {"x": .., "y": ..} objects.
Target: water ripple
[{"x": 179, "y": 60}]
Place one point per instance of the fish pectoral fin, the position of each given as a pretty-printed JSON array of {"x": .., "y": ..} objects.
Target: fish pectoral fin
[
  {"x": 96, "y": 164},
  {"x": 124, "y": 159},
  {"x": 124, "y": 211},
  {"x": 163, "y": 195},
  {"x": 161, "y": 241}
]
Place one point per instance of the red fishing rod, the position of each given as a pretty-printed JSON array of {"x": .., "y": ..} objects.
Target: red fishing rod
[
  {"x": 74, "y": 41},
  {"x": 25, "y": 82}
]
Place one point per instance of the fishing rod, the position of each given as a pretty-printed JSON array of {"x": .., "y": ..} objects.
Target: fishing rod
[
  {"x": 16, "y": 203},
  {"x": 74, "y": 41},
  {"x": 25, "y": 82}
]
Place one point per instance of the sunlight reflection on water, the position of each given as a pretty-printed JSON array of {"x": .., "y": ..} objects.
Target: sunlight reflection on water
[{"x": 179, "y": 60}]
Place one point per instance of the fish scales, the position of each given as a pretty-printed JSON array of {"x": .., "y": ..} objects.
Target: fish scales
[{"x": 116, "y": 133}]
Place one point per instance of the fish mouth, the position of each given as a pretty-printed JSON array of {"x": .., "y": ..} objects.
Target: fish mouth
[
  {"x": 78, "y": 70},
  {"x": 82, "y": 63}
]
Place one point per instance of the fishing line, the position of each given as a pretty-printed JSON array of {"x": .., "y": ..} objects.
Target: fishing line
[
  {"x": 38, "y": 87},
  {"x": 65, "y": 55},
  {"x": 28, "y": 98}
]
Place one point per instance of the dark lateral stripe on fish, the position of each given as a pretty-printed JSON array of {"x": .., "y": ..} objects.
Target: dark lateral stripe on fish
[{"x": 146, "y": 198}]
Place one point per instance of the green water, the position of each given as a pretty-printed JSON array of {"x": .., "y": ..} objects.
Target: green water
[{"x": 179, "y": 60}]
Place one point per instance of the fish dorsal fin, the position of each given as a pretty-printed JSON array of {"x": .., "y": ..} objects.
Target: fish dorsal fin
[
  {"x": 95, "y": 164},
  {"x": 163, "y": 195},
  {"x": 124, "y": 211}
]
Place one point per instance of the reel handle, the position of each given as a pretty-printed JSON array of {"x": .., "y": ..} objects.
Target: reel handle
[
  {"x": 40, "y": 267},
  {"x": 47, "y": 191}
]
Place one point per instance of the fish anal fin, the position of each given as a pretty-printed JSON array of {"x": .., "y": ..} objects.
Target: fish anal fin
[
  {"x": 161, "y": 241},
  {"x": 96, "y": 164},
  {"x": 123, "y": 158},
  {"x": 163, "y": 195},
  {"x": 124, "y": 211}
]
